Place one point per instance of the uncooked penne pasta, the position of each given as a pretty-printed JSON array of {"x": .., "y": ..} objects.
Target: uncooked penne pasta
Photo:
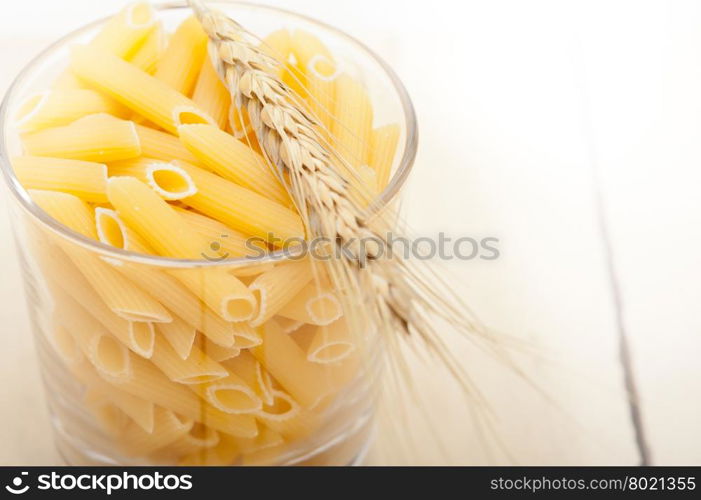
[
  {"x": 231, "y": 395},
  {"x": 248, "y": 368},
  {"x": 150, "y": 51},
  {"x": 176, "y": 297},
  {"x": 243, "y": 209},
  {"x": 217, "y": 352},
  {"x": 211, "y": 95},
  {"x": 288, "y": 325},
  {"x": 167, "y": 179},
  {"x": 168, "y": 427},
  {"x": 162, "y": 145},
  {"x": 121, "y": 296},
  {"x": 200, "y": 439},
  {"x": 353, "y": 120},
  {"x": 197, "y": 368},
  {"x": 124, "y": 32},
  {"x": 275, "y": 288},
  {"x": 277, "y": 45},
  {"x": 304, "y": 46},
  {"x": 166, "y": 231},
  {"x": 151, "y": 384},
  {"x": 65, "y": 346},
  {"x": 86, "y": 180},
  {"x": 224, "y": 453},
  {"x": 136, "y": 89},
  {"x": 62, "y": 273},
  {"x": 285, "y": 361},
  {"x": 99, "y": 138},
  {"x": 179, "y": 335},
  {"x": 139, "y": 410},
  {"x": 182, "y": 59},
  {"x": 109, "y": 357},
  {"x": 112, "y": 231},
  {"x": 383, "y": 149},
  {"x": 326, "y": 344},
  {"x": 232, "y": 159},
  {"x": 54, "y": 108},
  {"x": 314, "y": 305},
  {"x": 266, "y": 439}
]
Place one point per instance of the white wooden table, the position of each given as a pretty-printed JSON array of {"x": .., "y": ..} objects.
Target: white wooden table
[{"x": 569, "y": 131}]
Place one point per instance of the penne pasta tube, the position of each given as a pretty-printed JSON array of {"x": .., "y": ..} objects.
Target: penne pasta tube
[
  {"x": 326, "y": 344},
  {"x": 200, "y": 439},
  {"x": 277, "y": 45},
  {"x": 197, "y": 368},
  {"x": 120, "y": 295},
  {"x": 62, "y": 274},
  {"x": 168, "y": 180},
  {"x": 151, "y": 384},
  {"x": 110, "y": 418},
  {"x": 230, "y": 395},
  {"x": 142, "y": 93},
  {"x": 165, "y": 231},
  {"x": 274, "y": 288},
  {"x": 247, "y": 367},
  {"x": 217, "y": 352},
  {"x": 162, "y": 145},
  {"x": 383, "y": 149},
  {"x": 139, "y": 410},
  {"x": 180, "y": 63},
  {"x": 150, "y": 51},
  {"x": 232, "y": 159},
  {"x": 303, "y": 46},
  {"x": 100, "y": 138},
  {"x": 314, "y": 305},
  {"x": 56, "y": 107},
  {"x": 285, "y": 361},
  {"x": 111, "y": 230},
  {"x": 321, "y": 73},
  {"x": 242, "y": 209},
  {"x": 353, "y": 124},
  {"x": 65, "y": 346},
  {"x": 224, "y": 453},
  {"x": 86, "y": 180},
  {"x": 125, "y": 31},
  {"x": 266, "y": 439},
  {"x": 288, "y": 325},
  {"x": 176, "y": 297},
  {"x": 168, "y": 427},
  {"x": 180, "y": 336},
  {"x": 67, "y": 81},
  {"x": 109, "y": 357},
  {"x": 285, "y": 416},
  {"x": 211, "y": 95}
]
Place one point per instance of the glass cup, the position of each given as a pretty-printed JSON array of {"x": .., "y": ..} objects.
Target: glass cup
[{"x": 125, "y": 388}]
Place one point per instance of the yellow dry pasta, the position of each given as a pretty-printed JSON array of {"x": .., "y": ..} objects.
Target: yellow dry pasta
[
  {"x": 167, "y": 179},
  {"x": 99, "y": 138},
  {"x": 353, "y": 120},
  {"x": 328, "y": 344},
  {"x": 136, "y": 89},
  {"x": 230, "y": 395},
  {"x": 243, "y": 209},
  {"x": 176, "y": 297},
  {"x": 275, "y": 288},
  {"x": 211, "y": 95},
  {"x": 217, "y": 352},
  {"x": 54, "y": 108},
  {"x": 383, "y": 149},
  {"x": 166, "y": 231},
  {"x": 64, "y": 275},
  {"x": 232, "y": 159},
  {"x": 285, "y": 361},
  {"x": 121, "y": 296},
  {"x": 139, "y": 410},
  {"x": 304, "y": 46},
  {"x": 168, "y": 427},
  {"x": 86, "y": 180},
  {"x": 197, "y": 368},
  {"x": 200, "y": 439},
  {"x": 314, "y": 305},
  {"x": 180, "y": 335},
  {"x": 65, "y": 346},
  {"x": 162, "y": 145},
  {"x": 182, "y": 59},
  {"x": 111, "y": 230},
  {"x": 147, "y": 382},
  {"x": 150, "y": 51},
  {"x": 124, "y": 32}
]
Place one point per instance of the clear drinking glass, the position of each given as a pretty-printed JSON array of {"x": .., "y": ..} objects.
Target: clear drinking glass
[{"x": 89, "y": 409}]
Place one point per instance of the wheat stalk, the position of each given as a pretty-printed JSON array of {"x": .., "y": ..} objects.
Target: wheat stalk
[{"x": 396, "y": 296}]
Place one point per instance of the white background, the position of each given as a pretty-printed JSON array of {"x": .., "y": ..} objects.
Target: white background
[{"x": 568, "y": 129}]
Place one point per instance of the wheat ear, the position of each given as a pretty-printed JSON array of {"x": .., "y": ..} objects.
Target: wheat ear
[{"x": 399, "y": 298}]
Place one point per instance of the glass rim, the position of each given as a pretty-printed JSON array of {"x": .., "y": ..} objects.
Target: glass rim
[{"x": 383, "y": 199}]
